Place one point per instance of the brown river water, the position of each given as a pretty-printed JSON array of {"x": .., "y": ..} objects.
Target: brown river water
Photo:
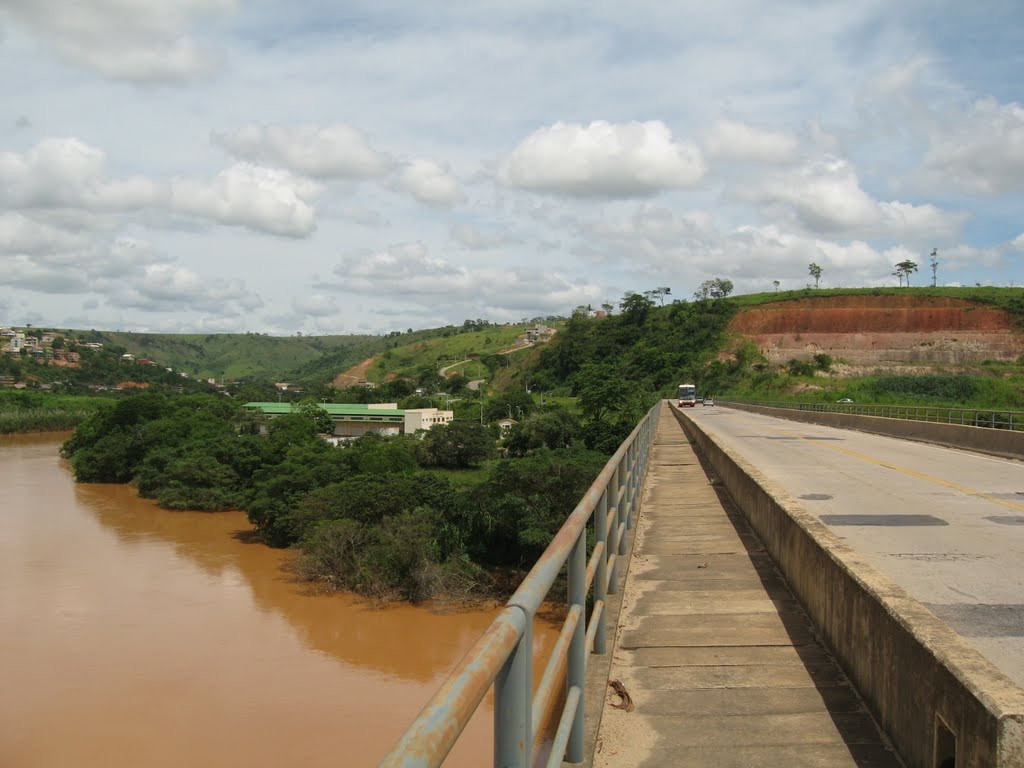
[{"x": 135, "y": 636}]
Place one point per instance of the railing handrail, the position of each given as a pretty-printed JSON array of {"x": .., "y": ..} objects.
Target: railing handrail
[
  {"x": 994, "y": 418},
  {"x": 503, "y": 656}
]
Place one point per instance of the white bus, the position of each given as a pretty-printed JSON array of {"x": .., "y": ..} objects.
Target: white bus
[{"x": 687, "y": 395}]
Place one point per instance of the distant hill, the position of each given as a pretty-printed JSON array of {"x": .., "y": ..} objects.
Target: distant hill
[
  {"x": 650, "y": 346},
  {"x": 232, "y": 356}
]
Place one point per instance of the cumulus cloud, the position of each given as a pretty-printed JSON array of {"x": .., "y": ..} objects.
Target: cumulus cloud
[
  {"x": 166, "y": 287},
  {"x": 429, "y": 183},
  {"x": 825, "y": 197},
  {"x": 22, "y": 234},
  {"x": 315, "y": 305},
  {"x": 80, "y": 268},
  {"x": 1018, "y": 242},
  {"x": 407, "y": 270},
  {"x": 248, "y": 195},
  {"x": 681, "y": 249},
  {"x": 982, "y": 153},
  {"x": 145, "y": 40},
  {"x": 333, "y": 151},
  {"x": 733, "y": 140},
  {"x": 602, "y": 160},
  {"x": 68, "y": 172}
]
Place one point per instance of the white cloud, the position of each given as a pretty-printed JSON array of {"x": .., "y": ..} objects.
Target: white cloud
[
  {"x": 602, "y": 160},
  {"x": 663, "y": 247},
  {"x": 264, "y": 199},
  {"x": 22, "y": 234},
  {"x": 69, "y": 172},
  {"x": 1018, "y": 242},
  {"x": 166, "y": 287},
  {"x": 408, "y": 271},
  {"x": 315, "y": 305},
  {"x": 334, "y": 151},
  {"x": 982, "y": 153},
  {"x": 142, "y": 40},
  {"x": 825, "y": 197},
  {"x": 429, "y": 183},
  {"x": 733, "y": 140}
]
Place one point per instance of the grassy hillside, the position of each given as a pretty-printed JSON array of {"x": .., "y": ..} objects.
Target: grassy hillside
[
  {"x": 466, "y": 353},
  {"x": 239, "y": 355}
]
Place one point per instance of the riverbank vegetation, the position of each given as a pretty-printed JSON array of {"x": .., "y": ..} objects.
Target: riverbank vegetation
[
  {"x": 417, "y": 517},
  {"x": 374, "y": 516},
  {"x": 33, "y": 411}
]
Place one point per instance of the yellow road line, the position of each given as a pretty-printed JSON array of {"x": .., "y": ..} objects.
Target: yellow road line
[{"x": 1015, "y": 506}]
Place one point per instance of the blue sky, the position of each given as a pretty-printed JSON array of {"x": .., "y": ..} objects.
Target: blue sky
[{"x": 348, "y": 167}]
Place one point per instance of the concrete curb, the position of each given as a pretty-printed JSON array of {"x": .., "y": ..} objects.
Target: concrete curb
[{"x": 932, "y": 693}]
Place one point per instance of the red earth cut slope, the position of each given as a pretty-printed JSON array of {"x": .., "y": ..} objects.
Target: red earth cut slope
[{"x": 880, "y": 329}]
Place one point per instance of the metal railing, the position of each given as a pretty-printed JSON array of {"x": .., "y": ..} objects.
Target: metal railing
[
  {"x": 973, "y": 417},
  {"x": 503, "y": 656}
]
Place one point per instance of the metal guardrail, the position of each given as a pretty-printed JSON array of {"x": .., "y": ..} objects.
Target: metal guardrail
[
  {"x": 972, "y": 417},
  {"x": 503, "y": 656}
]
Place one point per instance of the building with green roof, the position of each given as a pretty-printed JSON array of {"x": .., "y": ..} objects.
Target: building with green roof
[{"x": 354, "y": 419}]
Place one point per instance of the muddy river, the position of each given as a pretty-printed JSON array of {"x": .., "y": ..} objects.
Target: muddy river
[{"x": 135, "y": 636}]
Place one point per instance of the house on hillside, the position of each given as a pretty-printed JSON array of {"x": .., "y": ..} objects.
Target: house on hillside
[
  {"x": 539, "y": 333},
  {"x": 505, "y": 425}
]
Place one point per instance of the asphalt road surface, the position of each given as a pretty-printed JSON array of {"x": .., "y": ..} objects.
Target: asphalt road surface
[{"x": 946, "y": 525}]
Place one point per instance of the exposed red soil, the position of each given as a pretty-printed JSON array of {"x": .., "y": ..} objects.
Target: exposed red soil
[
  {"x": 875, "y": 329},
  {"x": 354, "y": 375}
]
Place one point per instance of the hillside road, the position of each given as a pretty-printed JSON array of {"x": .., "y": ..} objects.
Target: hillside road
[{"x": 946, "y": 525}]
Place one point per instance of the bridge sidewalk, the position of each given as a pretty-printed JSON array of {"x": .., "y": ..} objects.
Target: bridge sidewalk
[{"x": 721, "y": 663}]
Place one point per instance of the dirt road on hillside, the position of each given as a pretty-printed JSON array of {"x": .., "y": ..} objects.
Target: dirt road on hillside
[{"x": 355, "y": 374}]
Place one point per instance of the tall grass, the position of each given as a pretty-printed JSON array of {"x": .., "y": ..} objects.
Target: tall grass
[
  {"x": 42, "y": 419},
  {"x": 36, "y": 411}
]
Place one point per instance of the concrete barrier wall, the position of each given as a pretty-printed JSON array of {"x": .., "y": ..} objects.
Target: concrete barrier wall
[
  {"x": 923, "y": 683},
  {"x": 998, "y": 442}
]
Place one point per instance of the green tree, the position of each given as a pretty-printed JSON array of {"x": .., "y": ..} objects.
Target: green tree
[
  {"x": 459, "y": 444},
  {"x": 322, "y": 421},
  {"x": 716, "y": 288},
  {"x": 635, "y": 308},
  {"x": 551, "y": 428},
  {"x": 600, "y": 391},
  {"x": 935, "y": 265},
  {"x": 905, "y": 268},
  {"x": 815, "y": 271}
]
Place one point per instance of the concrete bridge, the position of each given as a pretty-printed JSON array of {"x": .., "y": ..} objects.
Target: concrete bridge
[
  {"x": 762, "y": 620},
  {"x": 751, "y": 633}
]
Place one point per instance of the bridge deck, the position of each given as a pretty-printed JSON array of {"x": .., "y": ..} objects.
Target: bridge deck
[{"x": 722, "y": 665}]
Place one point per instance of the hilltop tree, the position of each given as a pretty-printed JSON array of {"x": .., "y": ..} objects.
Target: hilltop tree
[
  {"x": 935, "y": 265},
  {"x": 660, "y": 292},
  {"x": 815, "y": 271},
  {"x": 776, "y": 284},
  {"x": 904, "y": 268},
  {"x": 635, "y": 307},
  {"x": 716, "y": 288}
]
